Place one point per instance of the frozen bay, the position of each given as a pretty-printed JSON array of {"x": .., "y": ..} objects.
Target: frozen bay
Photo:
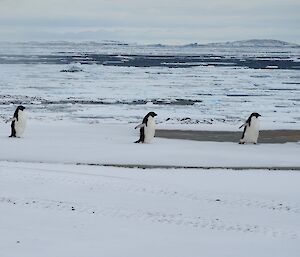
[{"x": 184, "y": 84}]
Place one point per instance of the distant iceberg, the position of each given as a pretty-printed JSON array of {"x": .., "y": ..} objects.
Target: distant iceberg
[
  {"x": 247, "y": 43},
  {"x": 72, "y": 68},
  {"x": 260, "y": 43}
]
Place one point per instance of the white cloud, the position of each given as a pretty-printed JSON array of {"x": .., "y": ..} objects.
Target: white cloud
[{"x": 155, "y": 21}]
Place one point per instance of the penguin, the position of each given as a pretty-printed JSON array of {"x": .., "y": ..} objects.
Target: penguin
[
  {"x": 147, "y": 128},
  {"x": 251, "y": 129},
  {"x": 18, "y": 122}
]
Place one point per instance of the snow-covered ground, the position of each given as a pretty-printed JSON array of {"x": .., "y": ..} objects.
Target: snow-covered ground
[
  {"x": 50, "y": 204},
  {"x": 62, "y": 194},
  {"x": 68, "y": 210},
  {"x": 66, "y": 142}
]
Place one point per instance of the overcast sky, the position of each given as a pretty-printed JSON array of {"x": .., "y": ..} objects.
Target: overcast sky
[{"x": 150, "y": 21}]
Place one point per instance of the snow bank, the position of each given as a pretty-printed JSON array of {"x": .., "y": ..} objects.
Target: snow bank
[
  {"x": 74, "y": 211},
  {"x": 59, "y": 142}
]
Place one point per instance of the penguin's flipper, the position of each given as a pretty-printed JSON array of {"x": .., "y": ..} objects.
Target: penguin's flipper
[
  {"x": 13, "y": 130},
  {"x": 11, "y": 119},
  {"x": 142, "y": 135},
  {"x": 140, "y": 126},
  {"x": 243, "y": 125}
]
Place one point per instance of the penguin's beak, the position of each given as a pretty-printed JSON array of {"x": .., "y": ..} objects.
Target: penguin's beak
[
  {"x": 155, "y": 114},
  {"x": 259, "y": 115}
]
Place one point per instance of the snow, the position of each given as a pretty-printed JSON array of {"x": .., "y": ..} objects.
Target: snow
[
  {"x": 214, "y": 95},
  {"x": 68, "y": 210},
  {"x": 49, "y": 203},
  {"x": 65, "y": 142},
  {"x": 76, "y": 185},
  {"x": 224, "y": 95}
]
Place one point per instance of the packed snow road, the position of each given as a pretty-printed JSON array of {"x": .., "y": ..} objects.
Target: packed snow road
[
  {"x": 112, "y": 144},
  {"x": 70, "y": 210}
]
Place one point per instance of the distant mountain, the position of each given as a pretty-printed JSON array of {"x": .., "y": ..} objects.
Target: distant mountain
[{"x": 249, "y": 43}]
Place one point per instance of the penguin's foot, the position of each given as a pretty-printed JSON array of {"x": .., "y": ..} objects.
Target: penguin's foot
[{"x": 241, "y": 142}]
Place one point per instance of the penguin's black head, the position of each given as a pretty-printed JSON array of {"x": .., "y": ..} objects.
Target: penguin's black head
[
  {"x": 20, "y": 107},
  {"x": 152, "y": 114},
  {"x": 255, "y": 114}
]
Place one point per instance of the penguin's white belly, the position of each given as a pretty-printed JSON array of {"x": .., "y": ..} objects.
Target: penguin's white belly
[
  {"x": 20, "y": 124},
  {"x": 252, "y": 132},
  {"x": 149, "y": 130}
]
